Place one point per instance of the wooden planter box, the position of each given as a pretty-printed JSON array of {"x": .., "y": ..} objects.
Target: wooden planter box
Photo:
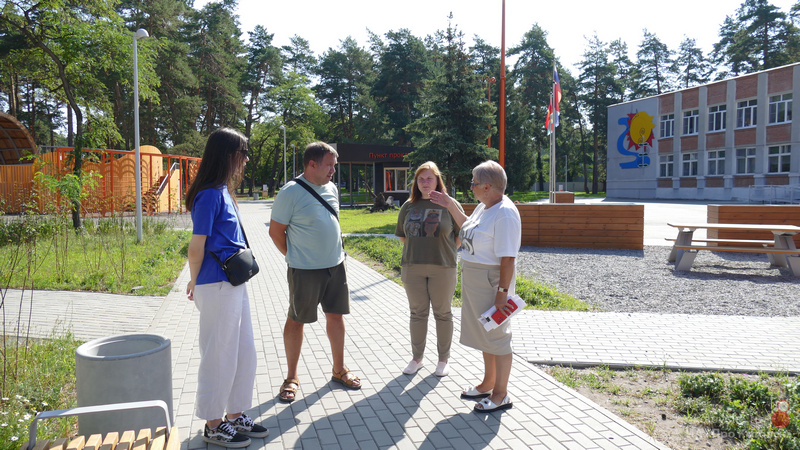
[
  {"x": 755, "y": 214},
  {"x": 610, "y": 225}
]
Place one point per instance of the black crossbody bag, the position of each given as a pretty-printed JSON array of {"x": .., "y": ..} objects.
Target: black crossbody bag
[{"x": 241, "y": 266}]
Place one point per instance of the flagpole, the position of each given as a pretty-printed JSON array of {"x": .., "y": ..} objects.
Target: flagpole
[
  {"x": 554, "y": 101},
  {"x": 501, "y": 145},
  {"x": 552, "y": 153}
]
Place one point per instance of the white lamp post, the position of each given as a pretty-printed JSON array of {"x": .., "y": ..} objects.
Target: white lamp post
[
  {"x": 139, "y": 34},
  {"x": 284, "y": 152}
]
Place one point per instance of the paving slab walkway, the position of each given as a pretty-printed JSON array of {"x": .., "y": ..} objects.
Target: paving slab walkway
[{"x": 421, "y": 411}]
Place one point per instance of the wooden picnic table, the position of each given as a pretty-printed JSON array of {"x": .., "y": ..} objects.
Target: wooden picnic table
[{"x": 781, "y": 250}]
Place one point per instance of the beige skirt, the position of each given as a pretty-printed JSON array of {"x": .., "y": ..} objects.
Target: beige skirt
[{"x": 479, "y": 284}]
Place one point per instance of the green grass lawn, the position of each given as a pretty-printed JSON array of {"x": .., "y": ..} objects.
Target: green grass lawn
[{"x": 361, "y": 220}]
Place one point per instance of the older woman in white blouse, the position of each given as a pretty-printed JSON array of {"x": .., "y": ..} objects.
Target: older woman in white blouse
[{"x": 490, "y": 240}]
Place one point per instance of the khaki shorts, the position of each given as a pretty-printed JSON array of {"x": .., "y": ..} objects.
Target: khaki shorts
[{"x": 309, "y": 288}]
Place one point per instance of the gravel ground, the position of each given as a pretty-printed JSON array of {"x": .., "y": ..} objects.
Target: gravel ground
[{"x": 643, "y": 281}]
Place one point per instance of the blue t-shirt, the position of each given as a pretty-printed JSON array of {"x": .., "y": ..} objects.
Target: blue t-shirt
[
  {"x": 313, "y": 236},
  {"x": 214, "y": 216}
]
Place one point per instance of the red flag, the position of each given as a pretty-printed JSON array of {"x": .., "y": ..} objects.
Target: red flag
[{"x": 549, "y": 114}]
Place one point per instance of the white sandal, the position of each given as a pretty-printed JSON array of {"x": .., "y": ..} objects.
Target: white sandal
[
  {"x": 487, "y": 405},
  {"x": 472, "y": 393}
]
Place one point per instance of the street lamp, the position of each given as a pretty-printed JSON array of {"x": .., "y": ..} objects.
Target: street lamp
[
  {"x": 139, "y": 34},
  {"x": 284, "y": 153}
]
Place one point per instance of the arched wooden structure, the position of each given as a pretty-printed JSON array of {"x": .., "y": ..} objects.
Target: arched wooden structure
[
  {"x": 15, "y": 141},
  {"x": 16, "y": 171}
]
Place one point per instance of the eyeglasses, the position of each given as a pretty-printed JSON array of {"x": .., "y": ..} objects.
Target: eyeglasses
[
  {"x": 473, "y": 184},
  {"x": 244, "y": 152}
]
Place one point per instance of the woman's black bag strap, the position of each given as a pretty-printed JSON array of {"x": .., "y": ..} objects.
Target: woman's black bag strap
[{"x": 241, "y": 227}]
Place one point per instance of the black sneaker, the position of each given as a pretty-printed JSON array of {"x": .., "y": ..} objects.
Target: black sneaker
[
  {"x": 245, "y": 426},
  {"x": 225, "y": 436}
]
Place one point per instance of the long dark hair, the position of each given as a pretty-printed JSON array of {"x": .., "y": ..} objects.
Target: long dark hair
[{"x": 222, "y": 163}]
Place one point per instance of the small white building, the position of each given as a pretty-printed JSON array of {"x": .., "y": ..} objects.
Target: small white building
[{"x": 731, "y": 140}]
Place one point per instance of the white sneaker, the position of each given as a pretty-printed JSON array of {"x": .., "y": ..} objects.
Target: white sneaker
[
  {"x": 412, "y": 367},
  {"x": 442, "y": 369}
]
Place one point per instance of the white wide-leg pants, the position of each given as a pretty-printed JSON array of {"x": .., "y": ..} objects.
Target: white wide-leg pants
[{"x": 227, "y": 351}]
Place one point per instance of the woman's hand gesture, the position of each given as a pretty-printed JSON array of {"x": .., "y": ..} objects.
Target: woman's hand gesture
[{"x": 441, "y": 199}]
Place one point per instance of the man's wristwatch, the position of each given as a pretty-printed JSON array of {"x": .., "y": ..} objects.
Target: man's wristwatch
[{"x": 499, "y": 289}]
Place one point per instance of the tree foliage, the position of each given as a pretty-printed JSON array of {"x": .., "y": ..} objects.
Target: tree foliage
[
  {"x": 66, "y": 65},
  {"x": 454, "y": 125}
]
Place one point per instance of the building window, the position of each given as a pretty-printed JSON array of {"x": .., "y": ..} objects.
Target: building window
[
  {"x": 778, "y": 159},
  {"x": 746, "y": 113},
  {"x": 689, "y": 164},
  {"x": 716, "y": 162},
  {"x": 666, "y": 164},
  {"x": 690, "y": 121},
  {"x": 780, "y": 108},
  {"x": 667, "y": 125},
  {"x": 745, "y": 160},
  {"x": 716, "y": 117},
  {"x": 397, "y": 180}
]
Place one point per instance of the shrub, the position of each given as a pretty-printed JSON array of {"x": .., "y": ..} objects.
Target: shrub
[
  {"x": 710, "y": 385},
  {"x": 751, "y": 394}
]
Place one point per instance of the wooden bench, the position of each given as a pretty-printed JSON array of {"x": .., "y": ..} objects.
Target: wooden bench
[
  {"x": 732, "y": 242},
  {"x": 690, "y": 253},
  {"x": 755, "y": 214},
  {"x": 129, "y": 440}
]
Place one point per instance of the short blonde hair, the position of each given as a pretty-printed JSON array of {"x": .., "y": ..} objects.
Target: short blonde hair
[{"x": 489, "y": 172}]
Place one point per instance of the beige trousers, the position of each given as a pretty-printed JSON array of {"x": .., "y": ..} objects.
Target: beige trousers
[{"x": 427, "y": 286}]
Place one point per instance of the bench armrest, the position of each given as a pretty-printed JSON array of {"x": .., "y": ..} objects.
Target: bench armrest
[{"x": 96, "y": 409}]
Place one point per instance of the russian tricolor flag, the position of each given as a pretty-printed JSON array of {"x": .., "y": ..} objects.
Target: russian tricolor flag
[{"x": 556, "y": 96}]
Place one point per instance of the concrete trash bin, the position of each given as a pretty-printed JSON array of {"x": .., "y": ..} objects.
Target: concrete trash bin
[{"x": 118, "y": 369}]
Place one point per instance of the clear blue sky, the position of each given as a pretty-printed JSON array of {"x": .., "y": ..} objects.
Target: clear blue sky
[{"x": 568, "y": 22}]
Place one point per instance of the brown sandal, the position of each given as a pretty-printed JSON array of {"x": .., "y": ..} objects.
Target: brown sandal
[
  {"x": 286, "y": 388},
  {"x": 352, "y": 382}
]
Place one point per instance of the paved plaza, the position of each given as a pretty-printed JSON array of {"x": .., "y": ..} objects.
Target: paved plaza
[{"x": 394, "y": 410}]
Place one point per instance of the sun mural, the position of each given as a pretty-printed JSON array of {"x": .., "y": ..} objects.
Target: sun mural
[{"x": 639, "y": 135}]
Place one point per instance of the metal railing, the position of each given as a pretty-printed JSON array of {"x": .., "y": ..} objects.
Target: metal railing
[{"x": 773, "y": 195}]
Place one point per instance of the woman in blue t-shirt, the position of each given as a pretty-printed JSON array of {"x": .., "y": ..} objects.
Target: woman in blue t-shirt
[{"x": 227, "y": 351}]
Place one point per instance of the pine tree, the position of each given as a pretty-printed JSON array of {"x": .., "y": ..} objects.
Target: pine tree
[
  {"x": 598, "y": 89},
  {"x": 654, "y": 60},
  {"x": 345, "y": 75},
  {"x": 690, "y": 64},
  {"x": 402, "y": 69},
  {"x": 453, "y": 129}
]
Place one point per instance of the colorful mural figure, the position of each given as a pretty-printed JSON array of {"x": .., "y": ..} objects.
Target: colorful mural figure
[{"x": 639, "y": 134}]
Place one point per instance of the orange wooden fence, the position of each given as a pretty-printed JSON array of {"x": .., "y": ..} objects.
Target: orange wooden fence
[{"x": 165, "y": 179}]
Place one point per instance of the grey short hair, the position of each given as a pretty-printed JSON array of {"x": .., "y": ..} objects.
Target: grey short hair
[{"x": 492, "y": 173}]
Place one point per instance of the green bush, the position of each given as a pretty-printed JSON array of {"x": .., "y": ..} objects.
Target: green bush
[
  {"x": 751, "y": 394},
  {"x": 710, "y": 385}
]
